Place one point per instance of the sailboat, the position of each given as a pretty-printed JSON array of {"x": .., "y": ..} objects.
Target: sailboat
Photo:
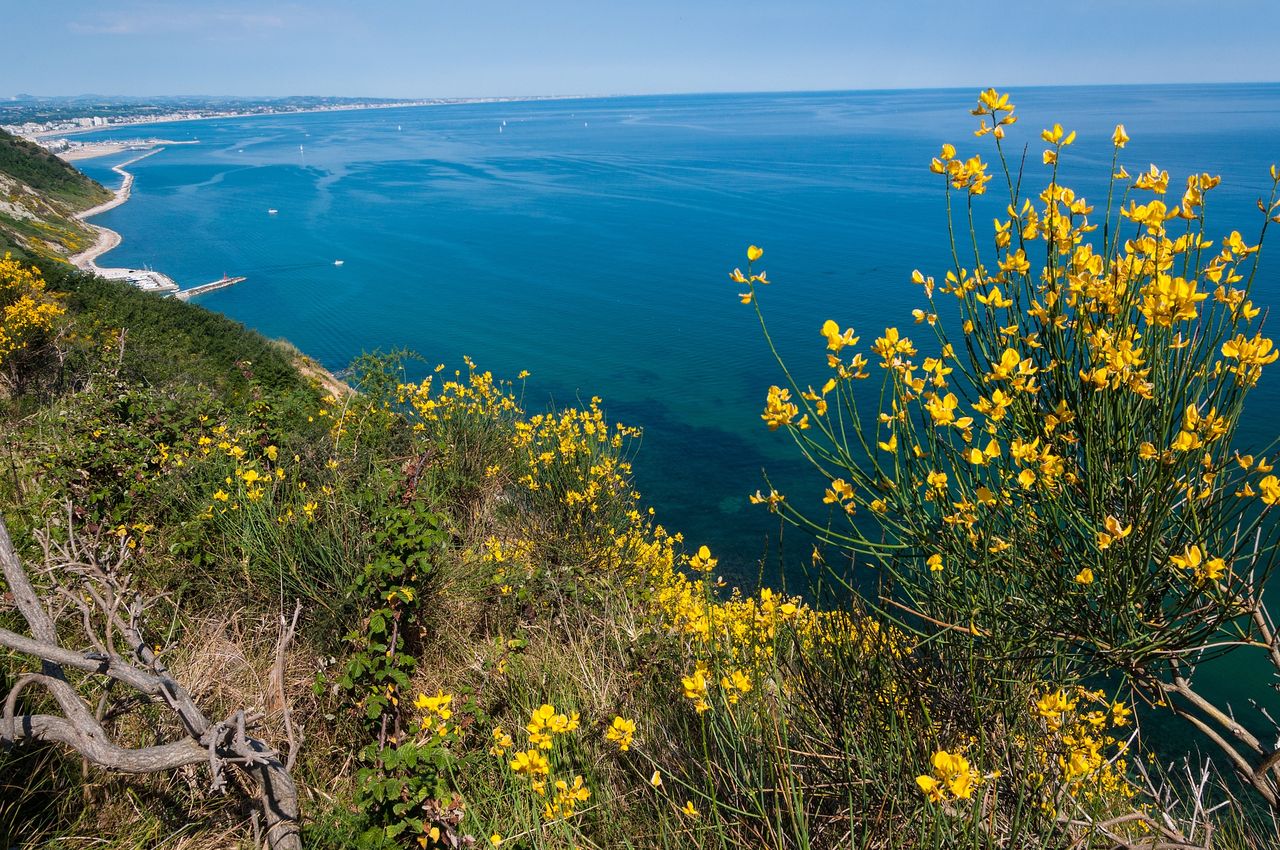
[
  {"x": 272, "y": 211},
  {"x": 338, "y": 262}
]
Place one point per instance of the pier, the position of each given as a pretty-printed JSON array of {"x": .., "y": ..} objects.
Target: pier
[{"x": 224, "y": 281}]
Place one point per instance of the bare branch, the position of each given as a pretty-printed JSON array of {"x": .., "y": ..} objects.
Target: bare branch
[{"x": 220, "y": 744}]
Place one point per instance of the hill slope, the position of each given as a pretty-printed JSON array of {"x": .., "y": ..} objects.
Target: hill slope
[{"x": 39, "y": 195}]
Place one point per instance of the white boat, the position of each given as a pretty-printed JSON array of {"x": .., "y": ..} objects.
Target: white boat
[
  {"x": 338, "y": 262},
  {"x": 272, "y": 211}
]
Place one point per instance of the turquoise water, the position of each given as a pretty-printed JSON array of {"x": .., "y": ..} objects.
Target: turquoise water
[{"x": 589, "y": 240}]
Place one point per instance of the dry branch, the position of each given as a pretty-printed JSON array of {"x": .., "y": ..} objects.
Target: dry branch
[{"x": 101, "y": 597}]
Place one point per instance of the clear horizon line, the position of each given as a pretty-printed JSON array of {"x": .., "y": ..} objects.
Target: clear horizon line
[{"x": 583, "y": 96}]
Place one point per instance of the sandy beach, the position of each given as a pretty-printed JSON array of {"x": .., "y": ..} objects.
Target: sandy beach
[
  {"x": 97, "y": 149},
  {"x": 107, "y": 239}
]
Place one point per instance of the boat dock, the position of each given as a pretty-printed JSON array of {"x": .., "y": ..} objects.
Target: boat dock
[{"x": 221, "y": 282}]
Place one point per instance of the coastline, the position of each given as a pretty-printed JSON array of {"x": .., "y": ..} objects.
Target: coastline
[
  {"x": 57, "y": 134},
  {"x": 92, "y": 150},
  {"x": 109, "y": 239}
]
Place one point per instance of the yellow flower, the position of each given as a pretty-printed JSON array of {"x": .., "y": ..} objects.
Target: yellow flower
[
  {"x": 930, "y": 787},
  {"x": 1114, "y": 533},
  {"x": 1085, "y": 576},
  {"x": 689, "y": 810},
  {"x": 1196, "y": 561},
  {"x": 495, "y": 839},
  {"x": 836, "y": 338},
  {"x": 1269, "y": 487},
  {"x": 754, "y": 253},
  {"x": 621, "y": 732},
  {"x": 935, "y": 563},
  {"x": 695, "y": 688},
  {"x": 531, "y": 762},
  {"x": 703, "y": 561},
  {"x": 951, "y": 773},
  {"x": 501, "y": 742},
  {"x": 1119, "y": 138},
  {"x": 656, "y": 779}
]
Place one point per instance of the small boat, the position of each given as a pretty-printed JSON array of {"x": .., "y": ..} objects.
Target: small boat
[
  {"x": 338, "y": 262},
  {"x": 272, "y": 211}
]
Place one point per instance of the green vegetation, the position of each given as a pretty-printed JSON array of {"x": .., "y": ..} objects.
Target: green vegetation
[
  {"x": 499, "y": 644},
  {"x": 48, "y": 175},
  {"x": 39, "y": 195}
]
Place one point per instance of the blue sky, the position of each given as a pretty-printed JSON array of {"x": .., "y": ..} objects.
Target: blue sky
[{"x": 410, "y": 48}]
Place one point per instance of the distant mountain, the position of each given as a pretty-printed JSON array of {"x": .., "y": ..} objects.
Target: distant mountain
[{"x": 39, "y": 196}]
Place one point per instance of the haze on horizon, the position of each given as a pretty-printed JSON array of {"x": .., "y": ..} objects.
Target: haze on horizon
[{"x": 432, "y": 48}]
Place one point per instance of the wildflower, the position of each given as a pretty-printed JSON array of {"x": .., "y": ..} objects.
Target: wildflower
[
  {"x": 935, "y": 563},
  {"x": 951, "y": 773},
  {"x": 531, "y": 762},
  {"x": 1269, "y": 487},
  {"x": 1119, "y": 138},
  {"x": 501, "y": 742},
  {"x": 932, "y": 790},
  {"x": 1250, "y": 355},
  {"x": 1196, "y": 561},
  {"x": 695, "y": 688},
  {"x": 703, "y": 561},
  {"x": 734, "y": 685},
  {"x": 688, "y": 810},
  {"x": 1052, "y": 706},
  {"x": 1114, "y": 533},
  {"x": 754, "y": 253},
  {"x": 656, "y": 779},
  {"x": 1085, "y": 576},
  {"x": 495, "y": 839},
  {"x": 621, "y": 732},
  {"x": 780, "y": 410}
]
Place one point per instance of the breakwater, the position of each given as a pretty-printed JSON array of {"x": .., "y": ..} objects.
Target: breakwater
[{"x": 107, "y": 239}]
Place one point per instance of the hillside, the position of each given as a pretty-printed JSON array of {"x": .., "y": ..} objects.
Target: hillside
[
  {"x": 437, "y": 614},
  {"x": 39, "y": 195}
]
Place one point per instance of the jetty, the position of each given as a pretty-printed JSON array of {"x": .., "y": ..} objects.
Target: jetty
[
  {"x": 147, "y": 279},
  {"x": 224, "y": 281}
]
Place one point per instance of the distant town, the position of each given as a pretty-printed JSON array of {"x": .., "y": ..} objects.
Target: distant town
[{"x": 48, "y": 120}]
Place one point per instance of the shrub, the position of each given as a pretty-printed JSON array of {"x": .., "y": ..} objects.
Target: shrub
[{"x": 1053, "y": 490}]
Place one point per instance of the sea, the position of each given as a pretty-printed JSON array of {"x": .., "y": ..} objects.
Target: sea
[{"x": 589, "y": 241}]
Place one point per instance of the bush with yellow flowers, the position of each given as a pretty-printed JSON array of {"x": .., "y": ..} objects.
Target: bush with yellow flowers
[
  {"x": 28, "y": 313},
  {"x": 1049, "y": 482}
]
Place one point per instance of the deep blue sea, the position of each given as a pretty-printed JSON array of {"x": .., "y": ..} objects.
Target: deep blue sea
[{"x": 589, "y": 242}]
